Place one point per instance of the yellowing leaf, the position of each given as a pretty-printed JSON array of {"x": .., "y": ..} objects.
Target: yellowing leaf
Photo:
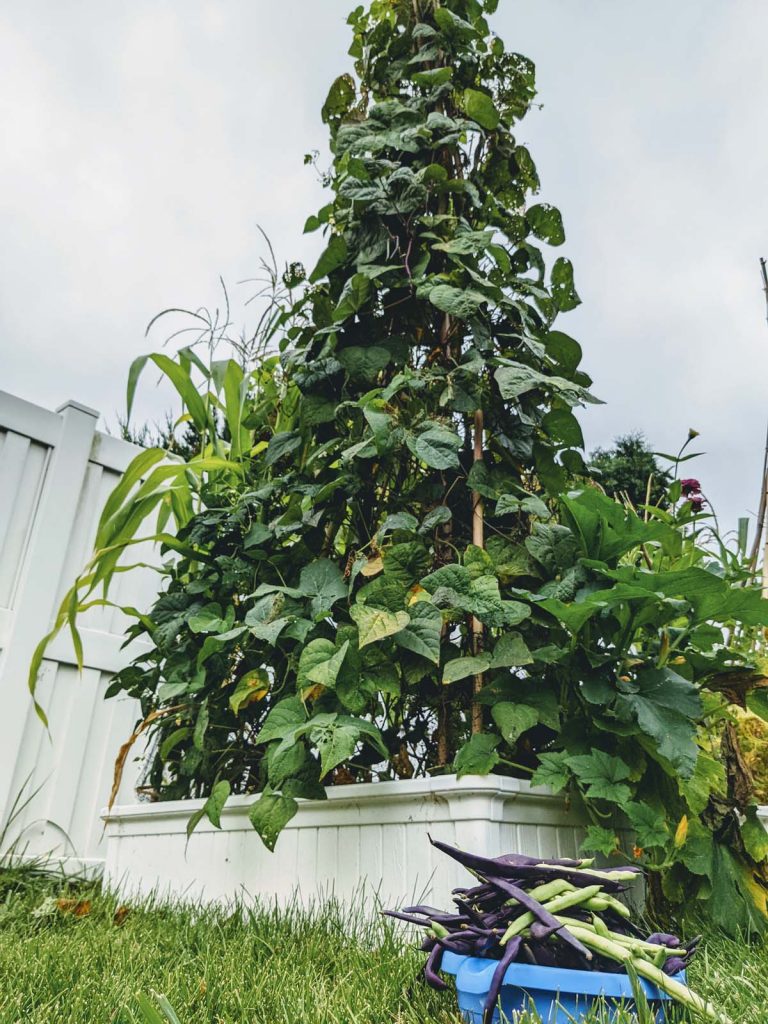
[
  {"x": 253, "y": 686},
  {"x": 313, "y": 692},
  {"x": 373, "y": 566},
  {"x": 756, "y": 890}
]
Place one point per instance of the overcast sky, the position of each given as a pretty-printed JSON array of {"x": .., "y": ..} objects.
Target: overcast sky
[{"x": 144, "y": 143}]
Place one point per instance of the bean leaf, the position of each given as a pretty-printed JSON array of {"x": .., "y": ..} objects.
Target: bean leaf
[
  {"x": 546, "y": 223},
  {"x": 270, "y": 814},
  {"x": 320, "y": 663},
  {"x": 437, "y": 446},
  {"x": 322, "y": 582},
  {"x": 481, "y": 108},
  {"x": 563, "y": 289},
  {"x": 284, "y": 718},
  {"x": 460, "y": 668},
  {"x": 423, "y": 632},
  {"x": 212, "y": 807},
  {"x": 510, "y": 651},
  {"x": 375, "y": 624},
  {"x": 333, "y": 257},
  {"x": 336, "y": 743},
  {"x": 514, "y": 719},
  {"x": 478, "y": 756},
  {"x": 459, "y": 302}
]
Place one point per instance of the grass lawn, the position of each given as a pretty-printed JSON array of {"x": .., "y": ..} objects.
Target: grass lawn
[{"x": 89, "y": 962}]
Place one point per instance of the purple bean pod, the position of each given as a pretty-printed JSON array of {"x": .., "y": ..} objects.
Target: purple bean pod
[
  {"x": 664, "y": 939},
  {"x": 487, "y": 867},
  {"x": 422, "y": 908},
  {"x": 674, "y": 965},
  {"x": 545, "y": 956},
  {"x": 474, "y": 915},
  {"x": 541, "y": 932},
  {"x": 527, "y": 955},
  {"x": 434, "y": 960},
  {"x": 510, "y": 954},
  {"x": 542, "y": 914},
  {"x": 521, "y": 859},
  {"x": 421, "y": 918},
  {"x": 398, "y": 915}
]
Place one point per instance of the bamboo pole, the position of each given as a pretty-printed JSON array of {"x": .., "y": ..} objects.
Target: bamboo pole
[
  {"x": 478, "y": 539},
  {"x": 444, "y": 753}
]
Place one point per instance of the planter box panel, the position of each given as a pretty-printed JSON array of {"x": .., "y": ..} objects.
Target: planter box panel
[{"x": 372, "y": 836}]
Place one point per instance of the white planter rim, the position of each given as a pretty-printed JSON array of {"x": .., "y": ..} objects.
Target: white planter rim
[
  {"x": 398, "y": 796},
  {"x": 403, "y": 791}
]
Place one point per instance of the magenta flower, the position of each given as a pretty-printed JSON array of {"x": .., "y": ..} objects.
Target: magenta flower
[
  {"x": 690, "y": 486},
  {"x": 697, "y": 502}
]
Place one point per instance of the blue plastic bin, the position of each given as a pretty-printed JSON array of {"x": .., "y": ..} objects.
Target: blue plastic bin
[{"x": 559, "y": 996}]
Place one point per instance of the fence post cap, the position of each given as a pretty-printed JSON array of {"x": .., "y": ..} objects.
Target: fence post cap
[{"x": 79, "y": 407}]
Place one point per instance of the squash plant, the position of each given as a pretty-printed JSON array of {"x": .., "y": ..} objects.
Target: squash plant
[
  {"x": 658, "y": 642},
  {"x": 376, "y": 567}
]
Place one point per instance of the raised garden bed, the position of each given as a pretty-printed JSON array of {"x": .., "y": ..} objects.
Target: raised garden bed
[{"x": 370, "y": 834}]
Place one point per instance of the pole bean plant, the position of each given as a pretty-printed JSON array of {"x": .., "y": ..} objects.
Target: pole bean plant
[{"x": 386, "y": 559}]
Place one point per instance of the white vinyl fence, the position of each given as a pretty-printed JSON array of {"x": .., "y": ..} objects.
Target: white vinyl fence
[{"x": 56, "y": 471}]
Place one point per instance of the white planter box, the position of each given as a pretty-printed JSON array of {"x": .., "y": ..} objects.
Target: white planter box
[{"x": 372, "y": 835}]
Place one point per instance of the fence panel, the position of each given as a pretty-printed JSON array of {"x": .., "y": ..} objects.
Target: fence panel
[{"x": 56, "y": 471}]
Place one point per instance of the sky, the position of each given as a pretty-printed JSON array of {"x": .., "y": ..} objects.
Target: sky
[{"x": 145, "y": 143}]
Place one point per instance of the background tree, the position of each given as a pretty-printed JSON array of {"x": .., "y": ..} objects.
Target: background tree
[
  {"x": 628, "y": 467},
  {"x": 184, "y": 441}
]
